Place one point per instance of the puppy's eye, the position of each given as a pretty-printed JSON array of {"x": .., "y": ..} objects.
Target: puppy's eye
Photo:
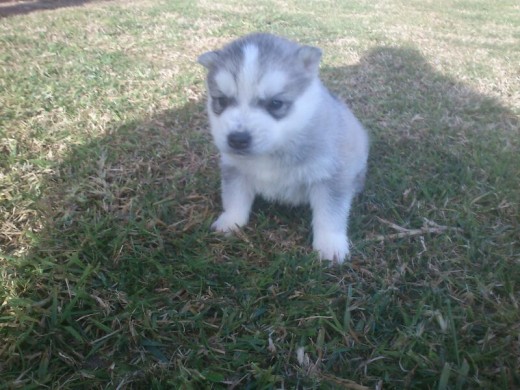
[
  {"x": 277, "y": 108},
  {"x": 223, "y": 101},
  {"x": 220, "y": 103},
  {"x": 274, "y": 105}
]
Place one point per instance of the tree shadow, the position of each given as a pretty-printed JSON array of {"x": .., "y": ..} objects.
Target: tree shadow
[
  {"x": 10, "y": 7},
  {"x": 130, "y": 209}
]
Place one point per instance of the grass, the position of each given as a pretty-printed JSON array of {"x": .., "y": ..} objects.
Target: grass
[{"x": 110, "y": 276}]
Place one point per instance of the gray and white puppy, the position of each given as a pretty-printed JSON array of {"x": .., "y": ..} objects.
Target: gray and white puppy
[{"x": 284, "y": 136}]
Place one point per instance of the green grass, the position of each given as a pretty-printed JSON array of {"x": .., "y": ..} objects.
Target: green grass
[{"x": 111, "y": 277}]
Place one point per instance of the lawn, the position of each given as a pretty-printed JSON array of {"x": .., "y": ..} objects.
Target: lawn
[{"x": 110, "y": 275}]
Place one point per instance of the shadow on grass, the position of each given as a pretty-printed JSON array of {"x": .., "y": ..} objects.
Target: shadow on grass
[
  {"x": 127, "y": 286},
  {"x": 435, "y": 143},
  {"x": 17, "y": 7}
]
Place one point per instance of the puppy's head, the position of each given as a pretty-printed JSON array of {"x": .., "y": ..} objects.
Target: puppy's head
[{"x": 262, "y": 90}]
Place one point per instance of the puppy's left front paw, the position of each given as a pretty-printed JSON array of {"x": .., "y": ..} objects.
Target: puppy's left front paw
[
  {"x": 333, "y": 247},
  {"x": 227, "y": 223}
]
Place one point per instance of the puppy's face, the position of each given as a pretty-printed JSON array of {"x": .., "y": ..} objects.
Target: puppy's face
[{"x": 259, "y": 93}]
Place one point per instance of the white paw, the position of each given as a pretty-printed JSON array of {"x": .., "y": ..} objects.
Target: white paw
[
  {"x": 332, "y": 246},
  {"x": 228, "y": 223}
]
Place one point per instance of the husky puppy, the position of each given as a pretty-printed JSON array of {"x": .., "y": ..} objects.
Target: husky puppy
[{"x": 282, "y": 135}]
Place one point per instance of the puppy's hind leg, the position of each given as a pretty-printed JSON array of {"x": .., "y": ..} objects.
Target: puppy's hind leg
[
  {"x": 330, "y": 212},
  {"x": 237, "y": 199}
]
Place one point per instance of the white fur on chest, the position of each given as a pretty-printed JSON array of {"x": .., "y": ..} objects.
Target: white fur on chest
[{"x": 286, "y": 184}]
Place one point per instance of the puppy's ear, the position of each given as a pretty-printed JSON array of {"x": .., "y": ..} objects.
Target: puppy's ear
[
  {"x": 208, "y": 59},
  {"x": 310, "y": 56}
]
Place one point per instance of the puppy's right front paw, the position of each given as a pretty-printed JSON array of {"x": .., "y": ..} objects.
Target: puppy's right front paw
[
  {"x": 332, "y": 246},
  {"x": 227, "y": 223}
]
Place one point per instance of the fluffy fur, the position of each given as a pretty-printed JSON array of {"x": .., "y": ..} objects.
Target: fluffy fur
[{"x": 284, "y": 136}]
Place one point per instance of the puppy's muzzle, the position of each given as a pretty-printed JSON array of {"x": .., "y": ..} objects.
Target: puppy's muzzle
[{"x": 239, "y": 140}]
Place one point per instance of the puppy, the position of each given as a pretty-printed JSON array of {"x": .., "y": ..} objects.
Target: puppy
[{"x": 282, "y": 135}]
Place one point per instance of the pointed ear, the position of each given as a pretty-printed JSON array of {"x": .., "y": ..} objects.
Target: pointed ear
[
  {"x": 310, "y": 56},
  {"x": 208, "y": 59}
]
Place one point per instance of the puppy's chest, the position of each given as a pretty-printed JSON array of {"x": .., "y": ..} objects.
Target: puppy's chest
[
  {"x": 281, "y": 188},
  {"x": 289, "y": 185}
]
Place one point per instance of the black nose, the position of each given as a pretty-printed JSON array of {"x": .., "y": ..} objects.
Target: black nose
[{"x": 239, "y": 140}]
